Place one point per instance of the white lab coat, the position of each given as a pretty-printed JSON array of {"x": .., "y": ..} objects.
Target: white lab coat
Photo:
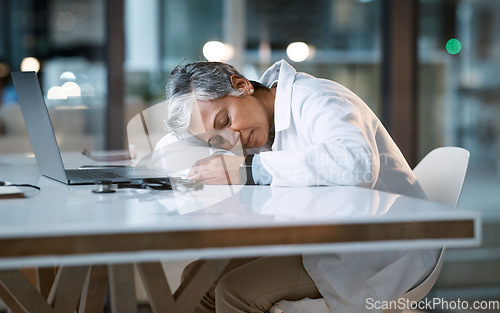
[{"x": 326, "y": 135}]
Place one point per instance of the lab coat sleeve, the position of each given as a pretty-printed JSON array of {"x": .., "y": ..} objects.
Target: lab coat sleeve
[{"x": 336, "y": 145}]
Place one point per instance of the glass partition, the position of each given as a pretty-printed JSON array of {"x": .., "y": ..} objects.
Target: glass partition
[
  {"x": 459, "y": 105},
  {"x": 65, "y": 42},
  {"x": 337, "y": 39},
  {"x": 459, "y": 99}
]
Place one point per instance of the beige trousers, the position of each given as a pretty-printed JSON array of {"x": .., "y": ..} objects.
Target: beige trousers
[{"x": 254, "y": 285}]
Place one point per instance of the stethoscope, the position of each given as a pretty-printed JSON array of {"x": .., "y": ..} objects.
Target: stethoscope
[{"x": 105, "y": 186}]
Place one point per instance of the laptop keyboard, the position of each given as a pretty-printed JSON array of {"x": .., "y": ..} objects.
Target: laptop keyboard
[{"x": 92, "y": 174}]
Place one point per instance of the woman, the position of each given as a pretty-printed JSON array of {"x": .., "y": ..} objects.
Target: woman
[{"x": 310, "y": 131}]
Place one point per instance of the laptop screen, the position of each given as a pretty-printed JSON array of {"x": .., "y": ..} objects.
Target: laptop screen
[{"x": 38, "y": 124}]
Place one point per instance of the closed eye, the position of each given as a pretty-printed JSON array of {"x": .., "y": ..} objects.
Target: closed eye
[{"x": 222, "y": 120}]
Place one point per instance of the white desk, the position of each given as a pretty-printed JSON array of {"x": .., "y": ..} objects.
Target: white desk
[{"x": 74, "y": 227}]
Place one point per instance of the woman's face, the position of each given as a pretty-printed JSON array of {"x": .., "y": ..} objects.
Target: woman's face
[{"x": 231, "y": 118}]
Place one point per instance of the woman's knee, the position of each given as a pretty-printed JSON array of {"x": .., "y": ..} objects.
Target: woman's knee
[
  {"x": 257, "y": 285},
  {"x": 229, "y": 294}
]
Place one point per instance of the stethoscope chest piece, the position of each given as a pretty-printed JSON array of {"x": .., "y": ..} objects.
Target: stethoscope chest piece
[{"x": 103, "y": 186}]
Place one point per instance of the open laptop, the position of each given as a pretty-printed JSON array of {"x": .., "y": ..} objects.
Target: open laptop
[{"x": 43, "y": 141}]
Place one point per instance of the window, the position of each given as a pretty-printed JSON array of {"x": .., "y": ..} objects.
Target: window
[
  {"x": 66, "y": 40},
  {"x": 342, "y": 40},
  {"x": 459, "y": 91}
]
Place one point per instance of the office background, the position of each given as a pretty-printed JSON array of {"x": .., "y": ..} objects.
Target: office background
[{"x": 428, "y": 68}]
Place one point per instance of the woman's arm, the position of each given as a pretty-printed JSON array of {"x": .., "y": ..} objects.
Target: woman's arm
[{"x": 341, "y": 147}]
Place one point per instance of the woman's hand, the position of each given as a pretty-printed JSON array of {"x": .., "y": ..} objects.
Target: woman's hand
[{"x": 218, "y": 169}]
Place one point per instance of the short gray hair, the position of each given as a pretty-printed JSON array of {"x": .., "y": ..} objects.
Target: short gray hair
[{"x": 196, "y": 81}]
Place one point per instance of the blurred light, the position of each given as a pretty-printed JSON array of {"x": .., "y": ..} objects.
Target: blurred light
[
  {"x": 453, "y": 46},
  {"x": 67, "y": 76},
  {"x": 217, "y": 51},
  {"x": 72, "y": 89},
  {"x": 65, "y": 21},
  {"x": 56, "y": 93},
  {"x": 30, "y": 64},
  {"x": 229, "y": 52},
  {"x": 88, "y": 90},
  {"x": 297, "y": 51}
]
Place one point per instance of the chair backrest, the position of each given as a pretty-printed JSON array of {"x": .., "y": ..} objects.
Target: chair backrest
[{"x": 441, "y": 173}]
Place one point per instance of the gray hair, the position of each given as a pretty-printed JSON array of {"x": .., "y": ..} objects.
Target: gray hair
[{"x": 196, "y": 81}]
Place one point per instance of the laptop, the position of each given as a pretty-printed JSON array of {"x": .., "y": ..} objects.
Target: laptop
[{"x": 44, "y": 143}]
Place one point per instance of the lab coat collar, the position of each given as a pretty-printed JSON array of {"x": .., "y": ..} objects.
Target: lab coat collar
[{"x": 284, "y": 73}]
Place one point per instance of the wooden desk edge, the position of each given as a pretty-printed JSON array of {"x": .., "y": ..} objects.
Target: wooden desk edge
[{"x": 236, "y": 237}]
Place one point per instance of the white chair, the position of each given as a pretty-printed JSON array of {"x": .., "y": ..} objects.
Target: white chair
[{"x": 441, "y": 173}]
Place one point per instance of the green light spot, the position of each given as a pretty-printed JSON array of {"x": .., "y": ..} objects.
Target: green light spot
[{"x": 453, "y": 46}]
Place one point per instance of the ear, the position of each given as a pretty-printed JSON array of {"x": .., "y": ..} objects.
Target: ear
[{"x": 240, "y": 83}]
